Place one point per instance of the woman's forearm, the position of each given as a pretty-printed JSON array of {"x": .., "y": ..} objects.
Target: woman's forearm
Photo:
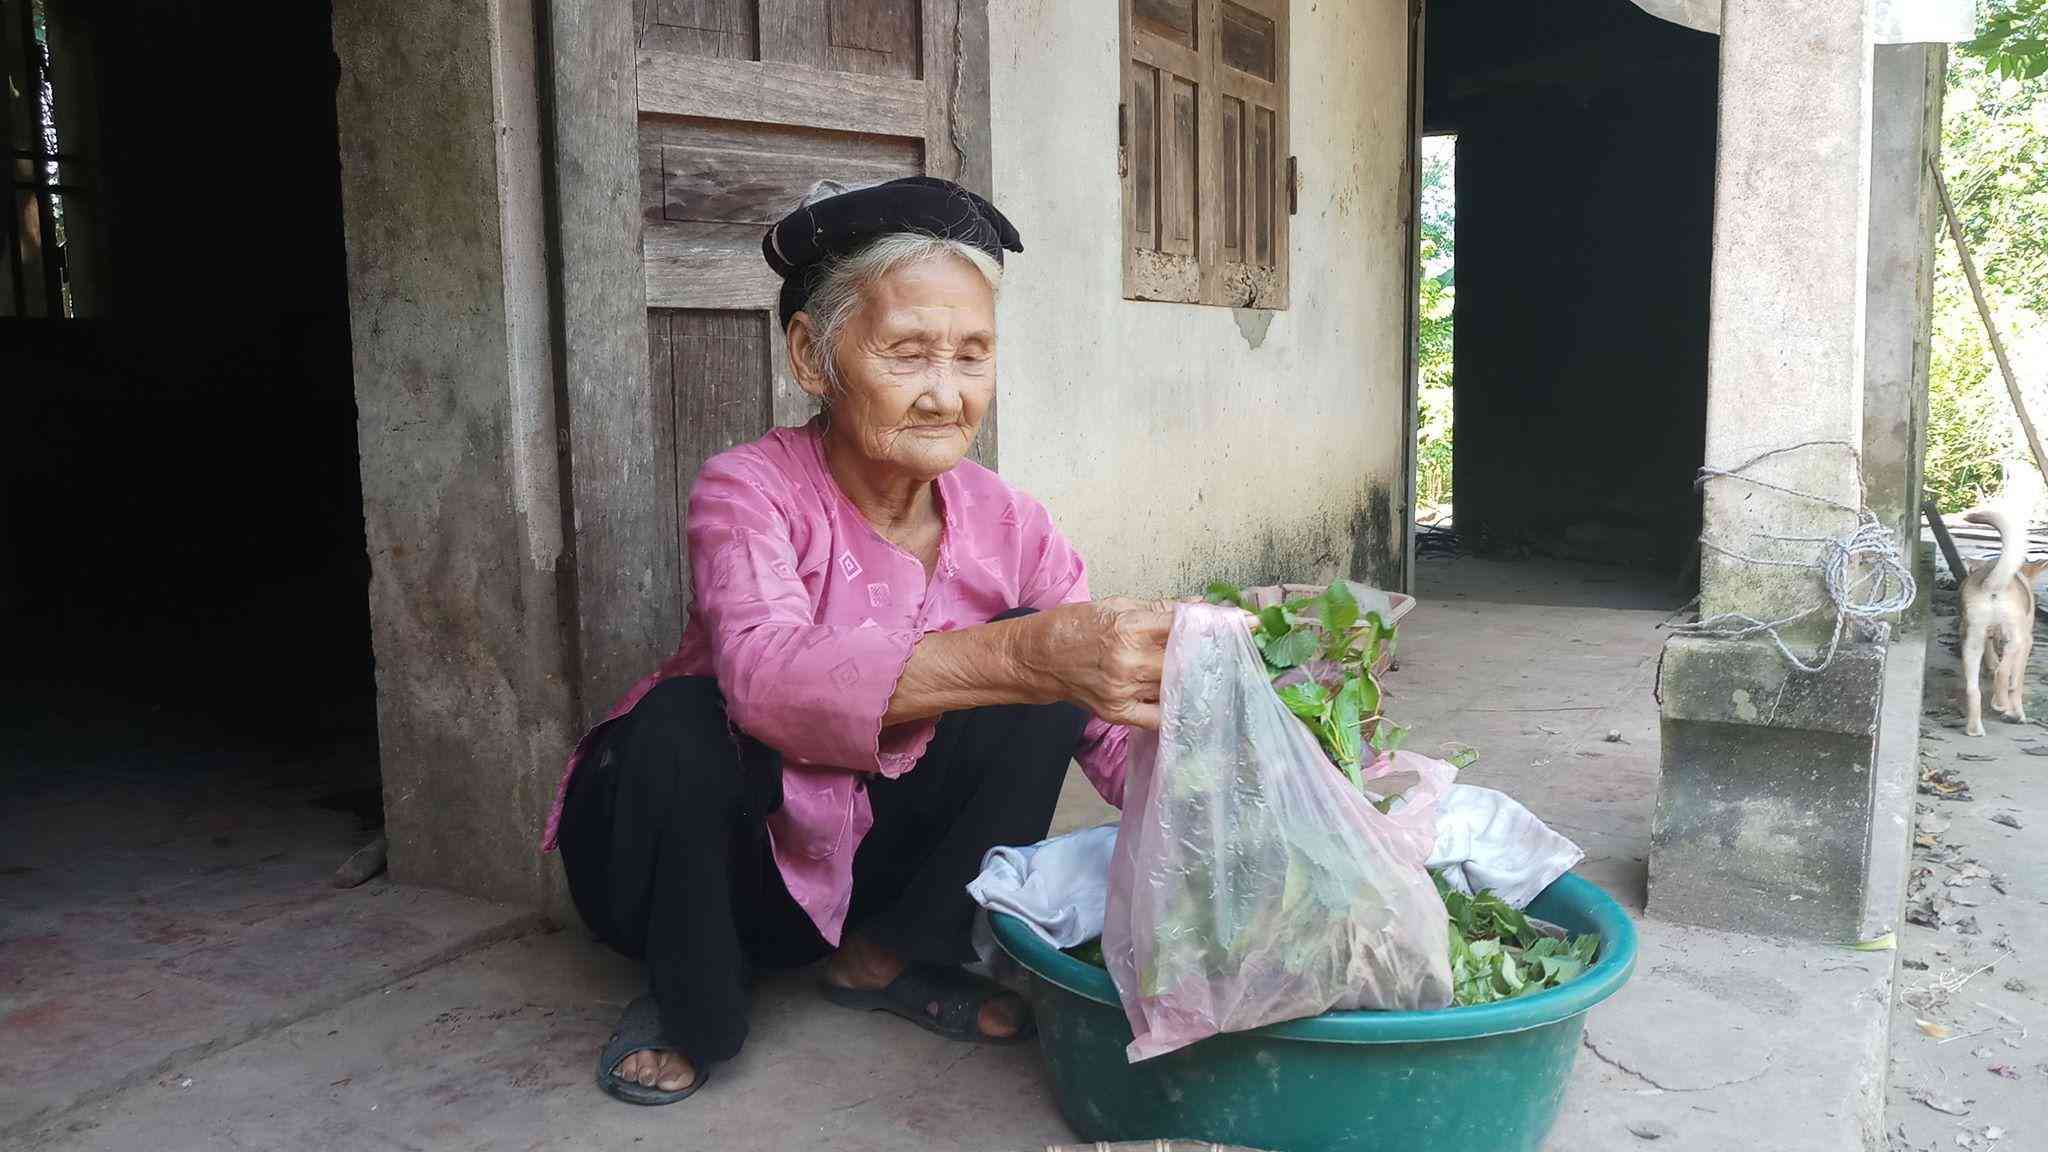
[{"x": 972, "y": 668}]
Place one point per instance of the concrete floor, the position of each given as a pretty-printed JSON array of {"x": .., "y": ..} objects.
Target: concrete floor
[
  {"x": 162, "y": 910},
  {"x": 164, "y": 990},
  {"x": 1970, "y": 1026}
]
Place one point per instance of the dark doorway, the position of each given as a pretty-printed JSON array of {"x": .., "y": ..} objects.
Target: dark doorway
[
  {"x": 182, "y": 568},
  {"x": 1584, "y": 168}
]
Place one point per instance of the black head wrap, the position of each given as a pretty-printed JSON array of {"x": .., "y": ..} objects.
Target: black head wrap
[{"x": 801, "y": 243}]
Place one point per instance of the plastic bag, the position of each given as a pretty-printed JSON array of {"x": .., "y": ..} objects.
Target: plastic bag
[{"x": 1251, "y": 882}]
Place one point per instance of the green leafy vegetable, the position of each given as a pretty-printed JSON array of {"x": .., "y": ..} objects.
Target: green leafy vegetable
[
  {"x": 1308, "y": 699},
  {"x": 1325, "y": 646},
  {"x": 1221, "y": 593},
  {"x": 1497, "y": 953},
  {"x": 1339, "y": 611}
]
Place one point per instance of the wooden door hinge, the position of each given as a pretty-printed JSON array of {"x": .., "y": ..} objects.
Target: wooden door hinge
[{"x": 1293, "y": 187}]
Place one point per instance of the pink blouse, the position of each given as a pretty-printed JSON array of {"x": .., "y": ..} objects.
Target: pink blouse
[{"x": 807, "y": 617}]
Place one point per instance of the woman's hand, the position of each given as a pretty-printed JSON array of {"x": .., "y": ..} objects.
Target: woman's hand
[{"x": 1105, "y": 655}]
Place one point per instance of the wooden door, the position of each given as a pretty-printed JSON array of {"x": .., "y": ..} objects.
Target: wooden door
[{"x": 735, "y": 110}]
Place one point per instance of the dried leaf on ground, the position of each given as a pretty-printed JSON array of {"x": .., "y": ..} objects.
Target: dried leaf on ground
[
  {"x": 1968, "y": 926},
  {"x": 1935, "y": 1028},
  {"x": 2005, "y": 1070},
  {"x": 1940, "y": 1103},
  {"x": 2016, "y": 985},
  {"x": 1924, "y": 913},
  {"x": 1943, "y": 783},
  {"x": 2007, "y": 819},
  {"x": 1977, "y": 757}
]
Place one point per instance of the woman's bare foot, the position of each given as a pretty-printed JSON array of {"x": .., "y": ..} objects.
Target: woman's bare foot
[
  {"x": 656, "y": 1068},
  {"x": 866, "y": 967}
]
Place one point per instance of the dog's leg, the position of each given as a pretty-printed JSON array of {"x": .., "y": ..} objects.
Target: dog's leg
[
  {"x": 1973, "y": 671},
  {"x": 2016, "y": 655},
  {"x": 1994, "y": 669}
]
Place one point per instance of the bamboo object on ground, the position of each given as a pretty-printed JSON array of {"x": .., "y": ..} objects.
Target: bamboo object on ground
[
  {"x": 1947, "y": 543},
  {"x": 2012, "y": 382}
]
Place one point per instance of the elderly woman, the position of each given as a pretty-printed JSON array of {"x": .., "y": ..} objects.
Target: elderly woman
[{"x": 891, "y": 659}]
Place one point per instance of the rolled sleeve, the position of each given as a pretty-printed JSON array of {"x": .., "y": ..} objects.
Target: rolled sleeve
[{"x": 1104, "y": 755}]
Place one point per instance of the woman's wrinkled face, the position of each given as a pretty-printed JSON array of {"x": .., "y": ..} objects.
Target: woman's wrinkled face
[{"x": 917, "y": 367}]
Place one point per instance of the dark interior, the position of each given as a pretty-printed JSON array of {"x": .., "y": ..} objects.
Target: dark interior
[
  {"x": 182, "y": 563},
  {"x": 1584, "y": 215}
]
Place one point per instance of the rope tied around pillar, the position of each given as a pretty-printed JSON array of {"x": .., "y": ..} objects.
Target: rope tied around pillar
[{"x": 1863, "y": 572}]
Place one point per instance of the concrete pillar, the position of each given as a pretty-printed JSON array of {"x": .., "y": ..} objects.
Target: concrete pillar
[
  {"x": 1905, "y": 215},
  {"x": 1764, "y": 803},
  {"x": 455, "y": 394}
]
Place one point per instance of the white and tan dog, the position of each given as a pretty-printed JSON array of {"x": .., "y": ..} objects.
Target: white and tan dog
[{"x": 1998, "y": 622}]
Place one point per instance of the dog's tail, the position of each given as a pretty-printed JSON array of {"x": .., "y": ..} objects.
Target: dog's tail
[{"x": 2012, "y": 544}]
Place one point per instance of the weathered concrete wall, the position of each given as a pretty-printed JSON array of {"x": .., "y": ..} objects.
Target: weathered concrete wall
[
  {"x": 1765, "y": 800},
  {"x": 1785, "y": 350},
  {"x": 1179, "y": 443},
  {"x": 447, "y": 297},
  {"x": 1904, "y": 215}
]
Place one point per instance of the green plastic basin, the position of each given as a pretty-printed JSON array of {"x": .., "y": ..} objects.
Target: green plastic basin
[{"x": 1487, "y": 1077}]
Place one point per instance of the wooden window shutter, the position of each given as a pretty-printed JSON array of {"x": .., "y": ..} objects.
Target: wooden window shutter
[{"x": 1203, "y": 139}]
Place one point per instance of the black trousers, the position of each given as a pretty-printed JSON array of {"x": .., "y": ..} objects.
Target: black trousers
[{"x": 664, "y": 842}]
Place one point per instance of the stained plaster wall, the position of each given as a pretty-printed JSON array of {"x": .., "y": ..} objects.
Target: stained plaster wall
[
  {"x": 1179, "y": 443},
  {"x": 440, "y": 149}
]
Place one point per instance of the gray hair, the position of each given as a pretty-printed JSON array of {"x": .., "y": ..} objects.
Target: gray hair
[{"x": 843, "y": 283}]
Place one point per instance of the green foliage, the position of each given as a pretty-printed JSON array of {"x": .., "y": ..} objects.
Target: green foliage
[
  {"x": 1995, "y": 158},
  {"x": 2014, "y": 42},
  {"x": 1435, "y": 326},
  {"x": 1968, "y": 432},
  {"x": 1330, "y": 636},
  {"x": 1497, "y": 953}
]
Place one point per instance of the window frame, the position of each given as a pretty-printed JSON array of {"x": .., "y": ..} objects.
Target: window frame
[{"x": 1202, "y": 270}]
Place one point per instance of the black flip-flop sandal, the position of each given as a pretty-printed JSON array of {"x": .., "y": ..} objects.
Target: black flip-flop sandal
[
  {"x": 958, "y": 993},
  {"x": 639, "y": 1028}
]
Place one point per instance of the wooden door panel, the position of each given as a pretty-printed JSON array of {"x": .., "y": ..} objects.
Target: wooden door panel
[
  {"x": 710, "y": 188},
  {"x": 719, "y": 109},
  {"x": 711, "y": 369},
  {"x": 743, "y": 106},
  {"x": 869, "y": 37},
  {"x": 738, "y": 186},
  {"x": 723, "y": 388},
  {"x": 775, "y": 92},
  {"x": 724, "y": 28},
  {"x": 726, "y": 173}
]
